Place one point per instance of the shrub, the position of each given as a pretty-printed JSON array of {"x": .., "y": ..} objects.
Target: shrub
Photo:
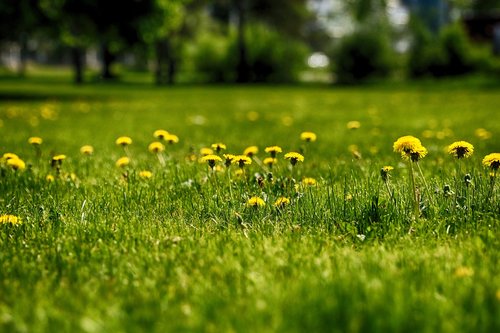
[
  {"x": 270, "y": 56},
  {"x": 449, "y": 54},
  {"x": 361, "y": 55}
]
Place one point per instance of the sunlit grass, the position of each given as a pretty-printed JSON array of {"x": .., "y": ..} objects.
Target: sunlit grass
[{"x": 155, "y": 234}]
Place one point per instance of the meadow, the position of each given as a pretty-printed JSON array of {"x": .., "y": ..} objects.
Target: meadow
[{"x": 154, "y": 236}]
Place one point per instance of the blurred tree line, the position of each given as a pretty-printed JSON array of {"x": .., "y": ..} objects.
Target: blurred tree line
[{"x": 243, "y": 40}]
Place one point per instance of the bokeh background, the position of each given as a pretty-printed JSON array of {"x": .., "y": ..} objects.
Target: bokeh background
[{"x": 228, "y": 41}]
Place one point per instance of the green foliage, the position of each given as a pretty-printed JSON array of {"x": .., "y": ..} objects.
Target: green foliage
[
  {"x": 104, "y": 250},
  {"x": 364, "y": 54},
  {"x": 449, "y": 54},
  {"x": 271, "y": 57}
]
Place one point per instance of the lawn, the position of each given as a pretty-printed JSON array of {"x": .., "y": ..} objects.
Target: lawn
[{"x": 102, "y": 247}]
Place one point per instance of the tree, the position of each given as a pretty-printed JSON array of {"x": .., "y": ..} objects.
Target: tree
[
  {"x": 20, "y": 19},
  {"x": 162, "y": 29},
  {"x": 286, "y": 16}
]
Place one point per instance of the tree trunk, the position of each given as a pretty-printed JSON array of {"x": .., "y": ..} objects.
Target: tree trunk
[
  {"x": 23, "y": 54},
  {"x": 242, "y": 68},
  {"x": 166, "y": 63},
  {"x": 77, "y": 54},
  {"x": 107, "y": 60}
]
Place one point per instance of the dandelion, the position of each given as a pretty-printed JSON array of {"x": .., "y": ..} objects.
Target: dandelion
[
  {"x": 482, "y": 134},
  {"x": 211, "y": 160},
  {"x": 228, "y": 159},
  {"x": 242, "y": 160},
  {"x": 160, "y": 134},
  {"x": 273, "y": 150},
  {"x": 50, "y": 178},
  {"x": 294, "y": 157},
  {"x": 492, "y": 161},
  {"x": 281, "y": 202},
  {"x": 87, "y": 150},
  {"x": 406, "y": 144},
  {"x": 308, "y": 181},
  {"x": 206, "y": 151},
  {"x": 251, "y": 151},
  {"x": 8, "y": 156},
  {"x": 218, "y": 147},
  {"x": 463, "y": 272},
  {"x": 411, "y": 149},
  {"x": 57, "y": 161},
  {"x": 145, "y": 174},
  {"x": 10, "y": 219},
  {"x": 384, "y": 172},
  {"x": 172, "y": 138},
  {"x": 255, "y": 202},
  {"x": 354, "y": 124},
  {"x": 122, "y": 162},
  {"x": 308, "y": 136},
  {"x": 35, "y": 141},
  {"x": 16, "y": 163},
  {"x": 123, "y": 141},
  {"x": 416, "y": 155},
  {"x": 270, "y": 161},
  {"x": 156, "y": 147},
  {"x": 461, "y": 149}
]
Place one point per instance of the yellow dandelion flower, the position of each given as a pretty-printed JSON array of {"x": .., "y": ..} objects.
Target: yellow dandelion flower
[
  {"x": 10, "y": 219},
  {"x": 50, "y": 178},
  {"x": 384, "y": 172},
  {"x": 228, "y": 159},
  {"x": 87, "y": 150},
  {"x": 273, "y": 150},
  {"x": 462, "y": 272},
  {"x": 242, "y": 160},
  {"x": 416, "y": 155},
  {"x": 308, "y": 136},
  {"x": 145, "y": 174},
  {"x": 8, "y": 156},
  {"x": 16, "y": 163},
  {"x": 270, "y": 161},
  {"x": 410, "y": 148},
  {"x": 160, "y": 134},
  {"x": 123, "y": 141},
  {"x": 406, "y": 144},
  {"x": 218, "y": 146},
  {"x": 294, "y": 157},
  {"x": 239, "y": 173},
  {"x": 308, "y": 181},
  {"x": 461, "y": 149},
  {"x": 482, "y": 134},
  {"x": 206, "y": 151},
  {"x": 492, "y": 161},
  {"x": 281, "y": 202},
  {"x": 172, "y": 138},
  {"x": 156, "y": 147},
  {"x": 428, "y": 134},
  {"x": 255, "y": 202},
  {"x": 122, "y": 162},
  {"x": 353, "y": 124},
  {"x": 211, "y": 160},
  {"x": 251, "y": 151},
  {"x": 35, "y": 140},
  {"x": 57, "y": 160}
]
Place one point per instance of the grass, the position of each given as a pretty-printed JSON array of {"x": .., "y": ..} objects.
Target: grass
[{"x": 102, "y": 250}]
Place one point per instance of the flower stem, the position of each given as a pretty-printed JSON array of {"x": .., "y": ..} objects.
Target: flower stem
[{"x": 416, "y": 209}]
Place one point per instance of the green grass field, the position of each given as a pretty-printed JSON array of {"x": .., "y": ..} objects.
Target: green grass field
[{"x": 102, "y": 249}]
